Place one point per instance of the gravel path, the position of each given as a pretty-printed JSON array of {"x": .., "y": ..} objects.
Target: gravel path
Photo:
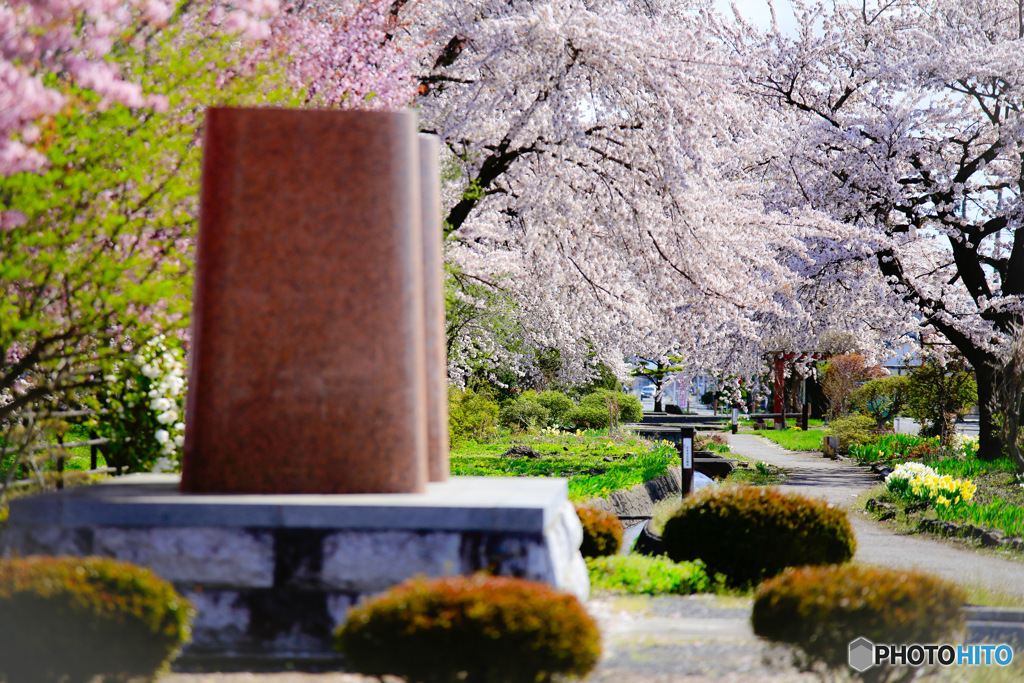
[{"x": 840, "y": 483}]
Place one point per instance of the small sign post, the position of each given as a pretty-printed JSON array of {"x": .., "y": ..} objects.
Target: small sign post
[
  {"x": 806, "y": 417},
  {"x": 735, "y": 420},
  {"x": 687, "y": 452}
]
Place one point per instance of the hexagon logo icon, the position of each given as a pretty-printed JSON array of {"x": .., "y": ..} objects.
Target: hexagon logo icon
[{"x": 862, "y": 654}]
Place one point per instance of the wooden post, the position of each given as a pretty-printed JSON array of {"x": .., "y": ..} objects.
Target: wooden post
[
  {"x": 93, "y": 450},
  {"x": 60, "y": 462},
  {"x": 735, "y": 420},
  {"x": 687, "y": 453},
  {"x": 778, "y": 391},
  {"x": 806, "y": 417}
]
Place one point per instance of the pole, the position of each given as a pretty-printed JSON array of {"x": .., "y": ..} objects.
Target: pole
[
  {"x": 735, "y": 420},
  {"x": 806, "y": 417},
  {"x": 687, "y": 453}
]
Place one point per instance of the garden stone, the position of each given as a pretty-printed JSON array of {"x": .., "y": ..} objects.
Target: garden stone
[
  {"x": 521, "y": 452},
  {"x": 992, "y": 538},
  {"x": 919, "y": 506}
]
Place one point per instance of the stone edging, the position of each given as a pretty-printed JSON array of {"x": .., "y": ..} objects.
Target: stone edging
[
  {"x": 639, "y": 501},
  {"x": 989, "y": 538}
]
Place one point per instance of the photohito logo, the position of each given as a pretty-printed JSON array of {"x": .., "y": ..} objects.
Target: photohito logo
[{"x": 864, "y": 654}]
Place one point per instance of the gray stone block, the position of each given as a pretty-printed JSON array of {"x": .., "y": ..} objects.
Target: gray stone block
[
  {"x": 363, "y": 562},
  {"x": 212, "y": 557}
]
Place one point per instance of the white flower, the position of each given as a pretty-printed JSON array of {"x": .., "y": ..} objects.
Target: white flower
[
  {"x": 149, "y": 371},
  {"x": 162, "y": 404},
  {"x": 179, "y": 440},
  {"x": 168, "y": 417},
  {"x": 180, "y": 426},
  {"x": 162, "y": 435}
]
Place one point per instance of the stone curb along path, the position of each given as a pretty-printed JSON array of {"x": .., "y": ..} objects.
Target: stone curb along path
[{"x": 840, "y": 483}]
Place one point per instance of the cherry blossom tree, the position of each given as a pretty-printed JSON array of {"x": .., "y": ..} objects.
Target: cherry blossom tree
[
  {"x": 904, "y": 122},
  {"x": 595, "y": 169},
  {"x": 605, "y": 171}
]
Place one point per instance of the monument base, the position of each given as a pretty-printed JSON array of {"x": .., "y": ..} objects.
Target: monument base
[{"x": 273, "y": 575}]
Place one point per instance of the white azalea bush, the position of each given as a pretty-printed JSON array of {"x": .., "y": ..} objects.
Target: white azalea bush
[
  {"x": 916, "y": 481},
  {"x": 142, "y": 410}
]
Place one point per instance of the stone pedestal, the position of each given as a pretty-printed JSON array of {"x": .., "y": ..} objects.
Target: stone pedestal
[
  {"x": 307, "y": 366},
  {"x": 273, "y": 575}
]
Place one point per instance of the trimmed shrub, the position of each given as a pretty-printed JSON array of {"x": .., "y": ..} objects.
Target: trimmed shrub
[
  {"x": 602, "y": 532},
  {"x": 750, "y": 533},
  {"x": 587, "y": 417},
  {"x": 557, "y": 404},
  {"x": 524, "y": 413},
  {"x": 593, "y": 411},
  {"x": 648, "y": 575},
  {"x": 853, "y": 430},
  {"x": 76, "y": 618},
  {"x": 470, "y": 628},
  {"x": 630, "y": 408},
  {"x": 822, "y": 609},
  {"x": 471, "y": 415}
]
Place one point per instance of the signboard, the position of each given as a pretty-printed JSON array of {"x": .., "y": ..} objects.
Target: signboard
[
  {"x": 687, "y": 454},
  {"x": 735, "y": 415}
]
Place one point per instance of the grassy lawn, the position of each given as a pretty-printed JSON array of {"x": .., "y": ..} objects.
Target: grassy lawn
[
  {"x": 77, "y": 459},
  {"x": 595, "y": 462},
  {"x": 795, "y": 439}
]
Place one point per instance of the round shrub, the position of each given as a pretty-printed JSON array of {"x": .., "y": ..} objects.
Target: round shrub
[
  {"x": 750, "y": 533},
  {"x": 471, "y": 415},
  {"x": 524, "y": 413},
  {"x": 602, "y": 532},
  {"x": 853, "y": 430},
  {"x": 587, "y": 417},
  {"x": 630, "y": 408},
  {"x": 76, "y": 618},
  {"x": 475, "y": 628},
  {"x": 557, "y": 404},
  {"x": 822, "y": 609}
]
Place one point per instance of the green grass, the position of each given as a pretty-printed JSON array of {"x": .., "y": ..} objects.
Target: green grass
[
  {"x": 757, "y": 474},
  {"x": 794, "y": 439},
  {"x": 638, "y": 574},
  {"x": 595, "y": 462},
  {"x": 78, "y": 459}
]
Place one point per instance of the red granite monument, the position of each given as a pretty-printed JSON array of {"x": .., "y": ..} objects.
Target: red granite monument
[
  {"x": 308, "y": 367},
  {"x": 433, "y": 308}
]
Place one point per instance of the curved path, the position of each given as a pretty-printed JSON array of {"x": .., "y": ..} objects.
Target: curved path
[{"x": 840, "y": 483}]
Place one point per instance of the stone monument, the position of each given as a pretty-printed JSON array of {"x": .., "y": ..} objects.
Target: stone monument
[{"x": 316, "y": 467}]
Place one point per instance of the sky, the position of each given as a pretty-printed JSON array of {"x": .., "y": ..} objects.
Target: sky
[{"x": 757, "y": 12}]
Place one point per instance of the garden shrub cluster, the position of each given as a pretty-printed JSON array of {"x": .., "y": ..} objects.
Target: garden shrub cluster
[
  {"x": 648, "y": 575},
  {"x": 852, "y": 430},
  {"x": 476, "y": 628},
  {"x": 524, "y": 412},
  {"x": 471, "y": 415},
  {"x": 73, "y": 618},
  {"x": 532, "y": 410},
  {"x": 822, "y": 609},
  {"x": 602, "y": 532},
  {"x": 593, "y": 409},
  {"x": 750, "y": 533}
]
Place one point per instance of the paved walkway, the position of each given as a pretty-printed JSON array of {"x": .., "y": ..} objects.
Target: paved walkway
[{"x": 840, "y": 483}]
